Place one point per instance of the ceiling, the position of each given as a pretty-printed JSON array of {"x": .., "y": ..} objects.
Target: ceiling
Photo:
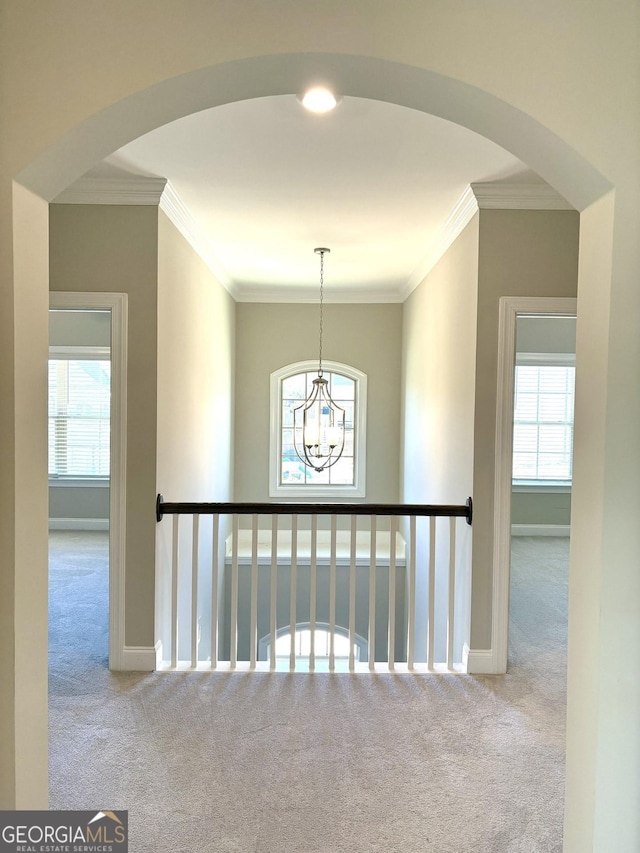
[{"x": 266, "y": 182}]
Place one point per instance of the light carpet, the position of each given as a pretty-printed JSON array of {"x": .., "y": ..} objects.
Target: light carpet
[{"x": 312, "y": 763}]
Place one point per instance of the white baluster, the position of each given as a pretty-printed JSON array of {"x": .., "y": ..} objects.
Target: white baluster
[
  {"x": 392, "y": 592},
  {"x": 292, "y": 591},
  {"x": 215, "y": 573},
  {"x": 451, "y": 592},
  {"x": 432, "y": 591},
  {"x": 174, "y": 592},
  {"x": 373, "y": 553},
  {"x": 194, "y": 591},
  {"x": 253, "y": 631},
  {"x": 411, "y": 624},
  {"x": 313, "y": 576},
  {"x": 274, "y": 591},
  {"x": 352, "y": 594},
  {"x": 233, "y": 627},
  {"x": 332, "y": 596}
]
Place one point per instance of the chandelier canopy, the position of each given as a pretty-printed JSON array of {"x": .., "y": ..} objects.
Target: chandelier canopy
[{"x": 319, "y": 423}]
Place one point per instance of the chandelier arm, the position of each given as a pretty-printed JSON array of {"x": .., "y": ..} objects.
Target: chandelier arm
[{"x": 321, "y": 398}]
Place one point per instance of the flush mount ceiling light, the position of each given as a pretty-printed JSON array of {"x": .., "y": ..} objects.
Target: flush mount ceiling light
[
  {"x": 319, "y": 100},
  {"x": 319, "y": 423}
]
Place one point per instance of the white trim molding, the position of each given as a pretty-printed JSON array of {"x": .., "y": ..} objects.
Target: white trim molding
[
  {"x": 461, "y": 215},
  {"x": 478, "y": 661},
  {"x": 78, "y": 524},
  {"x": 180, "y": 216},
  {"x": 136, "y": 189},
  {"x": 300, "y": 295},
  {"x": 117, "y": 304},
  {"x": 540, "y": 530},
  {"x": 492, "y": 195},
  {"x": 499, "y": 195},
  {"x": 509, "y": 310},
  {"x": 140, "y": 658}
]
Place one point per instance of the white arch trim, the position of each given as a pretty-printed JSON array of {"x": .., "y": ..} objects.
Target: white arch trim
[{"x": 366, "y": 77}]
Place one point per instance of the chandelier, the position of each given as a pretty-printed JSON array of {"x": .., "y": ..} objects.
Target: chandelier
[{"x": 319, "y": 423}]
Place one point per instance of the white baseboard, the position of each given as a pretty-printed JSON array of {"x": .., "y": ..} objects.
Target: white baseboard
[
  {"x": 480, "y": 661},
  {"x": 540, "y": 530},
  {"x": 140, "y": 658},
  {"x": 78, "y": 524}
]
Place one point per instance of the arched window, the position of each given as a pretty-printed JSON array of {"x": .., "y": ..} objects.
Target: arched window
[
  {"x": 322, "y": 644},
  {"x": 288, "y": 476}
]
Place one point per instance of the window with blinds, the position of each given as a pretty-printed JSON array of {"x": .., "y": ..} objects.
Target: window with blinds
[
  {"x": 79, "y": 417},
  {"x": 543, "y": 422}
]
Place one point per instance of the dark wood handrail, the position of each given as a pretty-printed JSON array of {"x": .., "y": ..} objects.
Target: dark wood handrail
[{"x": 438, "y": 510}]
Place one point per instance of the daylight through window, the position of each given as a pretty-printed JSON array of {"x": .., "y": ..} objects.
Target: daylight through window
[
  {"x": 290, "y": 387},
  {"x": 79, "y": 417},
  {"x": 543, "y": 422}
]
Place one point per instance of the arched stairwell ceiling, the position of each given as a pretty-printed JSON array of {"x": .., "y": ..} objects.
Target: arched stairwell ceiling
[{"x": 263, "y": 182}]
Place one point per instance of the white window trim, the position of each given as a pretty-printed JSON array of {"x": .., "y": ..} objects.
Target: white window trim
[
  {"x": 539, "y": 359},
  {"x": 296, "y": 492},
  {"x": 542, "y": 487},
  {"x": 80, "y": 353}
]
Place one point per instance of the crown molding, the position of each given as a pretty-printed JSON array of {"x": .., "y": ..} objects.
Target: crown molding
[
  {"x": 495, "y": 195},
  {"x": 463, "y": 212},
  {"x": 289, "y": 294},
  {"x": 140, "y": 190},
  {"x": 176, "y": 211},
  {"x": 133, "y": 190},
  {"x": 492, "y": 195}
]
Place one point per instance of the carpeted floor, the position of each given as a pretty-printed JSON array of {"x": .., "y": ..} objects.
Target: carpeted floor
[{"x": 312, "y": 764}]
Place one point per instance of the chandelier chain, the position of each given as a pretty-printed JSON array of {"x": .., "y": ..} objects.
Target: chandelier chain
[{"x": 321, "y": 310}]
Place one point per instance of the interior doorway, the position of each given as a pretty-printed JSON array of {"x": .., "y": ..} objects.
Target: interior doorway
[
  {"x": 87, "y": 446},
  {"x": 79, "y": 464},
  {"x": 542, "y": 468},
  {"x": 510, "y": 309}
]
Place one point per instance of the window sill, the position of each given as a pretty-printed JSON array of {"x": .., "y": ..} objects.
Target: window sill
[
  {"x": 79, "y": 482},
  {"x": 326, "y": 494},
  {"x": 541, "y": 487}
]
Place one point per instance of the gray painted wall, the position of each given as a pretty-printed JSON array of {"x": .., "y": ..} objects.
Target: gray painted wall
[
  {"x": 269, "y": 336},
  {"x": 521, "y": 253},
  {"x": 113, "y": 248},
  {"x": 196, "y": 351},
  {"x": 439, "y": 353}
]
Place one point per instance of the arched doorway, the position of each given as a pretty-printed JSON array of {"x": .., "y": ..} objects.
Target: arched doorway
[{"x": 414, "y": 87}]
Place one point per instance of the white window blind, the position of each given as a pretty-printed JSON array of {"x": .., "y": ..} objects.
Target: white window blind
[
  {"x": 543, "y": 422},
  {"x": 79, "y": 417}
]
